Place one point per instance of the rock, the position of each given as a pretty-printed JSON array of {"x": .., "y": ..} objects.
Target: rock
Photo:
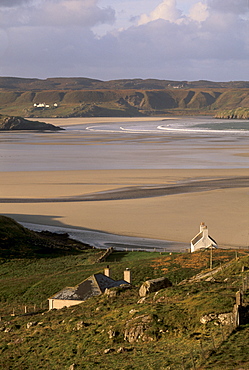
[
  {"x": 80, "y": 325},
  {"x": 113, "y": 292},
  {"x": 141, "y": 300},
  {"x": 122, "y": 350},
  {"x": 108, "y": 350},
  {"x": 19, "y": 123},
  {"x": 7, "y": 330},
  {"x": 207, "y": 318},
  {"x": 31, "y": 323},
  {"x": 222, "y": 318},
  {"x": 153, "y": 286},
  {"x": 226, "y": 318},
  {"x": 72, "y": 367},
  {"x": 135, "y": 329},
  {"x": 211, "y": 279},
  {"x": 132, "y": 311},
  {"x": 111, "y": 333}
]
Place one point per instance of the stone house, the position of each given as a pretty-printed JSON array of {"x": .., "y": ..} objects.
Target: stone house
[
  {"x": 94, "y": 285},
  {"x": 202, "y": 240}
]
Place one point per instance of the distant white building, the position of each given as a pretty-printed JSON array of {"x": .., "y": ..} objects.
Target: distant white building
[
  {"x": 44, "y": 105},
  {"x": 202, "y": 240}
]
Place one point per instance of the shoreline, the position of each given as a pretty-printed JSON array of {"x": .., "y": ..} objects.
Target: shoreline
[{"x": 74, "y": 121}]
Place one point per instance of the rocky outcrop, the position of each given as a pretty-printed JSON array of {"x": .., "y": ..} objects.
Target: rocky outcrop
[
  {"x": 19, "y": 123},
  {"x": 115, "y": 291},
  {"x": 154, "y": 285},
  {"x": 221, "y": 319},
  {"x": 136, "y": 328}
]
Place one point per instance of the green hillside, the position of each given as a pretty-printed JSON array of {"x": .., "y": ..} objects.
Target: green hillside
[
  {"x": 162, "y": 331},
  {"x": 81, "y": 97}
]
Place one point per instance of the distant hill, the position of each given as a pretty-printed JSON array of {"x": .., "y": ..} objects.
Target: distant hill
[
  {"x": 84, "y": 97},
  {"x": 82, "y": 83}
]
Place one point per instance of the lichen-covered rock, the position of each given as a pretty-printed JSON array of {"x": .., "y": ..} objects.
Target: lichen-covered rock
[
  {"x": 226, "y": 318},
  {"x": 207, "y": 318},
  {"x": 113, "y": 292},
  {"x": 222, "y": 318},
  {"x": 154, "y": 285},
  {"x": 135, "y": 329}
]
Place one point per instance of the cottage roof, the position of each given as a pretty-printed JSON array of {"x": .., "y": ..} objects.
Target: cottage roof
[
  {"x": 92, "y": 286},
  {"x": 197, "y": 238}
]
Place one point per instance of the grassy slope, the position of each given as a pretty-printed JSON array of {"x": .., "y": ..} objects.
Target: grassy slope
[
  {"x": 174, "y": 339},
  {"x": 122, "y": 102}
]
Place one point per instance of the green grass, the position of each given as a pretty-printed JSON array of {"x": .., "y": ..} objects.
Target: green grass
[{"x": 174, "y": 338}]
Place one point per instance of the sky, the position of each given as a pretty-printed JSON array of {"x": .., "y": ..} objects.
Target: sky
[{"x": 118, "y": 39}]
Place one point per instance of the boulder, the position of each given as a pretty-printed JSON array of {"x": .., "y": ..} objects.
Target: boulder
[
  {"x": 135, "y": 329},
  {"x": 114, "y": 291},
  {"x": 220, "y": 319},
  {"x": 154, "y": 285}
]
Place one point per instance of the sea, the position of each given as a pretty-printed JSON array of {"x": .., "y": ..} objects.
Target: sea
[{"x": 173, "y": 143}]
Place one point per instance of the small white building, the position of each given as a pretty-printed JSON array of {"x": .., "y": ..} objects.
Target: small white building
[{"x": 202, "y": 240}]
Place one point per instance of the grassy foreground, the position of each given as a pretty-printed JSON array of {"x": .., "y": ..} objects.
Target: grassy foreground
[
  {"x": 161, "y": 331},
  {"x": 92, "y": 335}
]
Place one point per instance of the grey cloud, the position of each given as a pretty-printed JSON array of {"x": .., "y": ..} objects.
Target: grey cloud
[
  {"x": 213, "y": 49},
  {"x": 11, "y": 3},
  {"x": 232, "y": 6},
  {"x": 59, "y": 13}
]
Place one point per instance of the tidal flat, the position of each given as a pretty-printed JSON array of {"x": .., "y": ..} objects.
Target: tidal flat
[{"x": 94, "y": 156}]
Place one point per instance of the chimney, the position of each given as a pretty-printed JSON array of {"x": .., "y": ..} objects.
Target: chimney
[
  {"x": 202, "y": 226},
  {"x": 107, "y": 271},
  {"x": 127, "y": 275}
]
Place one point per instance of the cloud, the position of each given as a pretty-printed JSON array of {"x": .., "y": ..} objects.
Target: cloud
[
  {"x": 229, "y": 6},
  {"x": 11, "y": 3},
  {"x": 59, "y": 13},
  {"x": 199, "y": 12},
  {"x": 56, "y": 38},
  {"x": 167, "y": 10}
]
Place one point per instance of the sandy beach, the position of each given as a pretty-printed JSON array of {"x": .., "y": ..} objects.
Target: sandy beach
[
  {"x": 165, "y": 204},
  {"x": 168, "y": 217}
]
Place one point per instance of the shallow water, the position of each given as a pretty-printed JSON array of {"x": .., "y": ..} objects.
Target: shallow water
[
  {"x": 179, "y": 143},
  {"x": 101, "y": 240}
]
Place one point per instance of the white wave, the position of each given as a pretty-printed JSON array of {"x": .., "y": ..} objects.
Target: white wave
[
  {"x": 135, "y": 131},
  {"x": 100, "y": 129},
  {"x": 206, "y": 131}
]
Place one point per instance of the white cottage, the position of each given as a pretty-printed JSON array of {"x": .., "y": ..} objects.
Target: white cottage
[
  {"x": 94, "y": 285},
  {"x": 202, "y": 240}
]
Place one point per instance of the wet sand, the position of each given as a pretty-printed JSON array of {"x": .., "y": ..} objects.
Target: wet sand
[
  {"x": 168, "y": 215},
  {"x": 96, "y": 120}
]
